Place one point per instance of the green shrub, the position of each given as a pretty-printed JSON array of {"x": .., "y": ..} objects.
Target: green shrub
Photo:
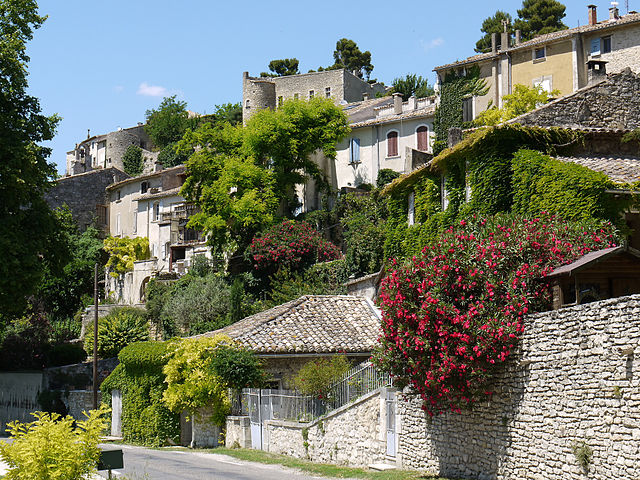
[
  {"x": 198, "y": 305},
  {"x": 24, "y": 344},
  {"x": 386, "y": 175},
  {"x": 53, "y": 447},
  {"x": 316, "y": 376},
  {"x": 132, "y": 161},
  {"x": 118, "y": 329},
  {"x": 139, "y": 377}
]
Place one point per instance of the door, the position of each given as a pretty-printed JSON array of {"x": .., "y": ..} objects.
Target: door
[
  {"x": 116, "y": 413},
  {"x": 390, "y": 404}
]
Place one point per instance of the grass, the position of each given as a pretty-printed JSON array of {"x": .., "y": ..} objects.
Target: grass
[{"x": 323, "y": 469}]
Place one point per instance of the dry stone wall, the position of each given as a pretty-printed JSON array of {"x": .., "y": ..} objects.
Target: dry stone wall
[
  {"x": 575, "y": 383},
  {"x": 352, "y": 435}
]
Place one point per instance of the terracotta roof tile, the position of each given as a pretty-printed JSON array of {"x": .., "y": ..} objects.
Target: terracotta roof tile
[
  {"x": 310, "y": 324},
  {"x": 620, "y": 169}
]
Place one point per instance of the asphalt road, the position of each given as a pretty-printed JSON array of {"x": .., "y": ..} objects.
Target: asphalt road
[{"x": 146, "y": 464}]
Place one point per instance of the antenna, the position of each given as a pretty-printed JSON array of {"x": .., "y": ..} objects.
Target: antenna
[{"x": 626, "y": 4}]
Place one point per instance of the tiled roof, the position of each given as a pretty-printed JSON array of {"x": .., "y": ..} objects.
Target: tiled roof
[
  {"x": 364, "y": 110},
  {"x": 589, "y": 258},
  {"x": 621, "y": 169},
  {"x": 549, "y": 37},
  {"x": 310, "y": 324},
  {"x": 419, "y": 113}
]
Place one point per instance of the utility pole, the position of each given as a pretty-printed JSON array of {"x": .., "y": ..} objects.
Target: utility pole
[{"x": 95, "y": 337}]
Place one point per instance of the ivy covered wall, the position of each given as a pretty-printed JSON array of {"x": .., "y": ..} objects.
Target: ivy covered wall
[{"x": 507, "y": 168}]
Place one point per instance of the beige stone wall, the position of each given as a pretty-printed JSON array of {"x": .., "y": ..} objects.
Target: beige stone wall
[
  {"x": 352, "y": 435},
  {"x": 576, "y": 380},
  {"x": 238, "y": 432}
]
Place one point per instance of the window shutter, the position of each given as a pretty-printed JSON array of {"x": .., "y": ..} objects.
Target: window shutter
[
  {"x": 392, "y": 144},
  {"x": 595, "y": 46},
  {"x": 355, "y": 150}
]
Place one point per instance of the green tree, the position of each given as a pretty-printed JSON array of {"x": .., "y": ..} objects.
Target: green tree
[
  {"x": 28, "y": 233},
  {"x": 491, "y": 25},
  {"x": 537, "y": 17},
  {"x": 285, "y": 139},
  {"x": 522, "y": 100},
  {"x": 168, "y": 122},
  {"x": 348, "y": 55},
  {"x": 228, "y": 112},
  {"x": 132, "y": 160},
  {"x": 282, "y": 68},
  {"x": 120, "y": 328},
  {"x": 412, "y": 84}
]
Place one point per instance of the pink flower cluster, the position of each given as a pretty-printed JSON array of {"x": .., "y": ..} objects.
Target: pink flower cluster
[
  {"x": 454, "y": 314},
  {"x": 292, "y": 245}
]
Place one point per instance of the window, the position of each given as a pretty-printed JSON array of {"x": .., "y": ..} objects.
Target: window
[
  {"x": 280, "y": 100},
  {"x": 311, "y": 93},
  {"x": 423, "y": 138},
  {"x": 247, "y": 103},
  {"x": 154, "y": 250},
  {"x": 354, "y": 150},
  {"x": 101, "y": 213},
  {"x": 392, "y": 144},
  {"x": 411, "y": 210},
  {"x": 606, "y": 44},
  {"x": 327, "y": 92},
  {"x": 595, "y": 47},
  {"x": 156, "y": 212},
  {"x": 545, "y": 82},
  {"x": 135, "y": 221},
  {"x": 467, "y": 109},
  {"x": 144, "y": 186},
  {"x": 118, "y": 196},
  {"x": 539, "y": 54},
  {"x": 118, "y": 232}
]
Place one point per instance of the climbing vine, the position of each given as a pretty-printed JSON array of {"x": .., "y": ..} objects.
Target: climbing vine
[{"x": 123, "y": 252}]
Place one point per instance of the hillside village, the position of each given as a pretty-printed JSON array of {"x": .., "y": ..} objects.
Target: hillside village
[{"x": 445, "y": 281}]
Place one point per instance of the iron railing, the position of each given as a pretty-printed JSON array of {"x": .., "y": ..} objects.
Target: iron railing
[{"x": 266, "y": 404}]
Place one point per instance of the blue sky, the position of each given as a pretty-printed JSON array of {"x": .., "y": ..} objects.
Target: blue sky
[{"x": 101, "y": 65}]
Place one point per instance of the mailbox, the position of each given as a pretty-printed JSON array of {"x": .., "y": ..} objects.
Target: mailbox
[{"x": 110, "y": 460}]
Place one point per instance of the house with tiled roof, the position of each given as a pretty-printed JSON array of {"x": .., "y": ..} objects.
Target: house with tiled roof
[
  {"x": 312, "y": 326},
  {"x": 565, "y": 60},
  {"x": 386, "y": 133}
]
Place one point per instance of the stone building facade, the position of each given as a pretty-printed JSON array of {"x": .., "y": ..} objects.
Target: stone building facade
[
  {"x": 107, "y": 150},
  {"x": 86, "y": 197},
  {"x": 268, "y": 92},
  {"x": 566, "y": 60}
]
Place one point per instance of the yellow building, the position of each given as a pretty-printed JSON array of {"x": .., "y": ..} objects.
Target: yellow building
[{"x": 565, "y": 61}]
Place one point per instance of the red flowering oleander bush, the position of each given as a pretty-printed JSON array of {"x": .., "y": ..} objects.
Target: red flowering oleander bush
[
  {"x": 454, "y": 314},
  {"x": 290, "y": 245}
]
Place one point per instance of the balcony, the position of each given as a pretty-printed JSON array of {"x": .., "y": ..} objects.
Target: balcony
[{"x": 180, "y": 212}]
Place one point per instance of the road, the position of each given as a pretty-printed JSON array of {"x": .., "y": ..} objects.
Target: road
[{"x": 147, "y": 464}]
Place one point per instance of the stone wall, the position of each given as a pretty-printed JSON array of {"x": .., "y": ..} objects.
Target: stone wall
[
  {"x": 351, "y": 435},
  {"x": 576, "y": 380},
  {"x": 204, "y": 433},
  {"x": 83, "y": 193},
  {"x": 612, "y": 104},
  {"x": 237, "y": 432},
  {"x": 78, "y": 401},
  {"x": 78, "y": 376}
]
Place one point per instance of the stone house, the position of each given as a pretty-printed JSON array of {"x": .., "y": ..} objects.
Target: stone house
[
  {"x": 107, "y": 150},
  {"x": 151, "y": 206},
  {"x": 294, "y": 333},
  {"x": 85, "y": 195},
  {"x": 566, "y": 60},
  {"x": 386, "y": 133},
  {"x": 340, "y": 85}
]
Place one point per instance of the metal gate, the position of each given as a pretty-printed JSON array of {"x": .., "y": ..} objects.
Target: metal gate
[{"x": 390, "y": 403}]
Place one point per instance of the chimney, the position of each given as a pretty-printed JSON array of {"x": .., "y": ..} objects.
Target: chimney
[
  {"x": 494, "y": 42},
  {"x": 88, "y": 133},
  {"x": 504, "y": 40},
  {"x": 157, "y": 166},
  {"x": 518, "y": 37},
  {"x": 593, "y": 14},
  {"x": 365, "y": 96},
  {"x": 397, "y": 103},
  {"x": 412, "y": 102},
  {"x": 614, "y": 13}
]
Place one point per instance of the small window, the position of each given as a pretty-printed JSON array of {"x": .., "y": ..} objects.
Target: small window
[
  {"x": 539, "y": 53},
  {"x": 280, "y": 101},
  {"x": 354, "y": 150},
  {"x": 247, "y": 103},
  {"x": 595, "y": 47},
  {"x": 156, "y": 212},
  {"x": 423, "y": 138},
  {"x": 392, "y": 144},
  {"x": 467, "y": 109},
  {"x": 311, "y": 93},
  {"x": 135, "y": 221},
  {"x": 411, "y": 211},
  {"x": 144, "y": 187},
  {"x": 118, "y": 194},
  {"x": 327, "y": 92},
  {"x": 101, "y": 213},
  {"x": 606, "y": 44}
]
